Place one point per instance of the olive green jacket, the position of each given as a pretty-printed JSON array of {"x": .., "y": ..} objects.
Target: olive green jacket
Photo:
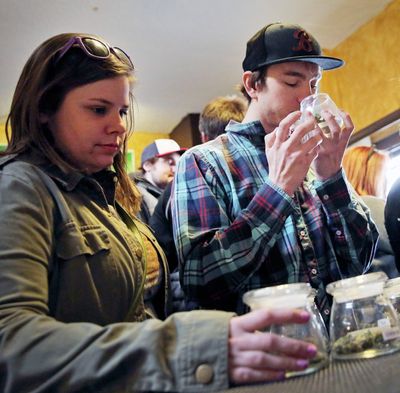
[{"x": 71, "y": 277}]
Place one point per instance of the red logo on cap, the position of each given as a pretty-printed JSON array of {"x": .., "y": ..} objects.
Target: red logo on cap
[{"x": 304, "y": 41}]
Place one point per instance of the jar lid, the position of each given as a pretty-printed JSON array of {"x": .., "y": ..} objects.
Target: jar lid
[
  {"x": 392, "y": 287},
  {"x": 280, "y": 296},
  {"x": 365, "y": 285}
]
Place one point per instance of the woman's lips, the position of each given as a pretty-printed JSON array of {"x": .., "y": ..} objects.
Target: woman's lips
[{"x": 109, "y": 147}]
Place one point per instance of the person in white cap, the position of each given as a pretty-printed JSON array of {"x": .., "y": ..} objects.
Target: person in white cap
[{"x": 157, "y": 169}]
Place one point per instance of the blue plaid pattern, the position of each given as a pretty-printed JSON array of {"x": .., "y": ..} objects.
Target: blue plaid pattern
[{"x": 234, "y": 230}]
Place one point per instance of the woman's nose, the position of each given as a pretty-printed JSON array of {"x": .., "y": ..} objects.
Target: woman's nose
[{"x": 117, "y": 125}]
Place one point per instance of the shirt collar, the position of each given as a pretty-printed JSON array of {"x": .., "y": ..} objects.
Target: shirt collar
[{"x": 252, "y": 130}]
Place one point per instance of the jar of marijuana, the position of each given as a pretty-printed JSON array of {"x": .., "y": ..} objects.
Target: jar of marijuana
[
  {"x": 392, "y": 292},
  {"x": 363, "y": 321},
  {"x": 298, "y": 296}
]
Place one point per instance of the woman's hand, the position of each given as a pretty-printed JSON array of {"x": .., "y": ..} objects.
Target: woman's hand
[{"x": 255, "y": 356}]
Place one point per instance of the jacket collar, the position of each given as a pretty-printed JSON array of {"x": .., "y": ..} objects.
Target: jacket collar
[{"x": 67, "y": 180}]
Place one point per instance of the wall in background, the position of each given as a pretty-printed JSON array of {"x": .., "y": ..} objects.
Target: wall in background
[
  {"x": 3, "y": 139},
  {"x": 187, "y": 132},
  {"x": 368, "y": 86}
]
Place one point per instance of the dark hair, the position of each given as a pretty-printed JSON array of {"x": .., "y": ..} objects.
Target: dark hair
[
  {"x": 257, "y": 78},
  {"x": 41, "y": 89},
  {"x": 217, "y": 114}
]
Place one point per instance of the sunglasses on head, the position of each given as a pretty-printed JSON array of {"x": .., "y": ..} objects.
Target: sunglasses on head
[{"x": 94, "y": 48}]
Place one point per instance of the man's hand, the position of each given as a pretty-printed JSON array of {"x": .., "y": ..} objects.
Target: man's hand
[
  {"x": 255, "y": 356},
  {"x": 290, "y": 149},
  {"x": 330, "y": 152}
]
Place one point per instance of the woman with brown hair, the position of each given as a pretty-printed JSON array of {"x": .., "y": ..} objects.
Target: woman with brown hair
[{"x": 73, "y": 257}]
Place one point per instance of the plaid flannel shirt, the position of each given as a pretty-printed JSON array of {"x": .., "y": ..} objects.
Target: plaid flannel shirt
[{"x": 235, "y": 230}]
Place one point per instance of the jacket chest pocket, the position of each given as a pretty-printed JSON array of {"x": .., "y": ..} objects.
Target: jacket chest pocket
[
  {"x": 85, "y": 240},
  {"x": 84, "y": 277}
]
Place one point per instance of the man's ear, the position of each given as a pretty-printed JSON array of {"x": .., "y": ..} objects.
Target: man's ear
[
  {"x": 147, "y": 165},
  {"x": 249, "y": 85}
]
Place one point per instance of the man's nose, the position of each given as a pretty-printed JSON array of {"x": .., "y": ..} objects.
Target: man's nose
[{"x": 304, "y": 92}]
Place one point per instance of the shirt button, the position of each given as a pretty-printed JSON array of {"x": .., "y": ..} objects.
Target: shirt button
[
  {"x": 325, "y": 197},
  {"x": 326, "y": 311},
  {"x": 204, "y": 374},
  {"x": 302, "y": 233},
  {"x": 338, "y": 233},
  {"x": 314, "y": 271}
]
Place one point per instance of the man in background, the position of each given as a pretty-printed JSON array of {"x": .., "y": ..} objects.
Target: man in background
[
  {"x": 217, "y": 114},
  {"x": 212, "y": 122},
  {"x": 157, "y": 169}
]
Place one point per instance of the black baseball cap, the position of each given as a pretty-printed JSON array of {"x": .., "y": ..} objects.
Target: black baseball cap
[{"x": 280, "y": 43}]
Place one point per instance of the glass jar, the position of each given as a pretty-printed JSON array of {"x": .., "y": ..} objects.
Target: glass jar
[
  {"x": 299, "y": 296},
  {"x": 392, "y": 292},
  {"x": 363, "y": 321}
]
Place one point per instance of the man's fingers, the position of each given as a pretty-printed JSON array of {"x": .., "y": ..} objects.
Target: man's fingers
[
  {"x": 304, "y": 130},
  {"x": 333, "y": 125},
  {"x": 284, "y": 130},
  {"x": 348, "y": 125},
  {"x": 270, "y": 139}
]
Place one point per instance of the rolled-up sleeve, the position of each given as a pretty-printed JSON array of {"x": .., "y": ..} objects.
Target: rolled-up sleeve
[{"x": 352, "y": 231}]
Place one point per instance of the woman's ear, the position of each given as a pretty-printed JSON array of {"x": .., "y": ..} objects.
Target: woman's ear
[{"x": 249, "y": 84}]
